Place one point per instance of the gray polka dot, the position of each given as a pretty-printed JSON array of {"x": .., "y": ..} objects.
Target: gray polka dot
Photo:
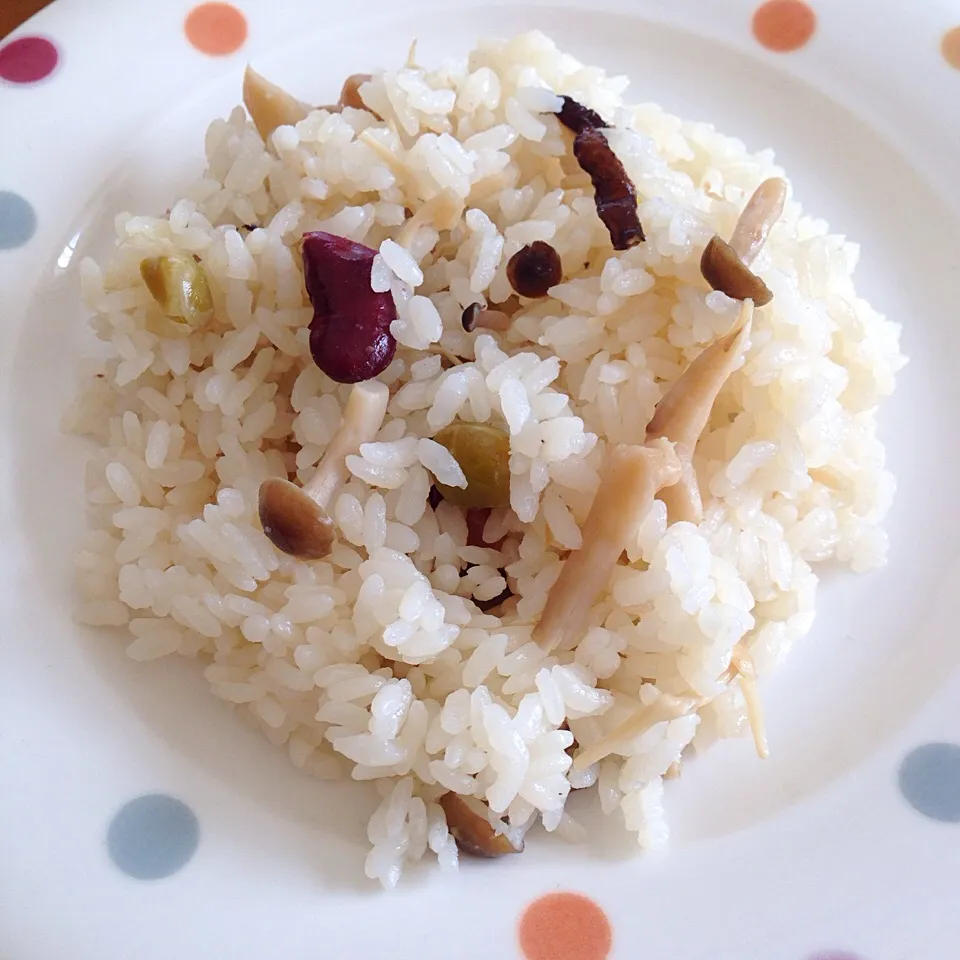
[
  {"x": 18, "y": 222},
  {"x": 153, "y": 837},
  {"x": 930, "y": 781}
]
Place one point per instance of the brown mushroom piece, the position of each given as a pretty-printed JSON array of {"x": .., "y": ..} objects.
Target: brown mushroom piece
[
  {"x": 726, "y": 266},
  {"x": 472, "y": 830},
  {"x": 269, "y": 106},
  {"x": 476, "y": 316},
  {"x": 684, "y": 410},
  {"x": 631, "y": 477},
  {"x": 350, "y": 92},
  {"x": 296, "y": 518}
]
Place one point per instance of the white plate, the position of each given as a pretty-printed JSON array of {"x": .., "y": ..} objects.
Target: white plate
[{"x": 843, "y": 844}]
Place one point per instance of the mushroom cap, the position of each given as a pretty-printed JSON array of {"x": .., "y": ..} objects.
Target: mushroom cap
[
  {"x": 726, "y": 272},
  {"x": 293, "y": 521},
  {"x": 471, "y": 830}
]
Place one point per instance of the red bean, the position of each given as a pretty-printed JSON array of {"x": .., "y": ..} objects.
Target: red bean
[{"x": 350, "y": 336}]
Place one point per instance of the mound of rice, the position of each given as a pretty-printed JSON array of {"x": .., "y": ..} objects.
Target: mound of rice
[{"x": 376, "y": 663}]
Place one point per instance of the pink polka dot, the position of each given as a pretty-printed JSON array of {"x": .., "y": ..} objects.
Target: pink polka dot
[
  {"x": 784, "y": 25},
  {"x": 27, "y": 60},
  {"x": 565, "y": 926}
]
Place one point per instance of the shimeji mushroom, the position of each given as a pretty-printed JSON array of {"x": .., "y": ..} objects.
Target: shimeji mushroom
[
  {"x": 295, "y": 518},
  {"x": 271, "y": 106},
  {"x": 683, "y": 412},
  {"x": 726, "y": 266},
  {"x": 631, "y": 478},
  {"x": 472, "y": 830},
  {"x": 475, "y": 316},
  {"x": 666, "y": 708},
  {"x": 669, "y": 707}
]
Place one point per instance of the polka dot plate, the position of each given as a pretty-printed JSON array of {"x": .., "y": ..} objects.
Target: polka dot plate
[{"x": 138, "y": 818}]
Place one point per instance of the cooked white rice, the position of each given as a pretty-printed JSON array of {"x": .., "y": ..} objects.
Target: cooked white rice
[{"x": 375, "y": 663}]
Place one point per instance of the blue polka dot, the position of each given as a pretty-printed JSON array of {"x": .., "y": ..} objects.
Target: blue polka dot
[
  {"x": 153, "y": 837},
  {"x": 18, "y": 222},
  {"x": 930, "y": 781}
]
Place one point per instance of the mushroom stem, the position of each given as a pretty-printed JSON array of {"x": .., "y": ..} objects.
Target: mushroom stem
[
  {"x": 667, "y": 707},
  {"x": 684, "y": 410},
  {"x": 362, "y": 419},
  {"x": 442, "y": 211},
  {"x": 295, "y": 518},
  {"x": 682, "y": 499},
  {"x": 762, "y": 211},
  {"x": 742, "y": 663},
  {"x": 269, "y": 106},
  {"x": 630, "y": 480}
]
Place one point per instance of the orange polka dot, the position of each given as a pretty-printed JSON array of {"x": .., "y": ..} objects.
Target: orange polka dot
[
  {"x": 216, "y": 28},
  {"x": 784, "y": 25},
  {"x": 565, "y": 926},
  {"x": 950, "y": 46}
]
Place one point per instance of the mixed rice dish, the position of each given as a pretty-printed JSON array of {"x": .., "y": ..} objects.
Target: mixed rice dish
[{"x": 478, "y": 435}]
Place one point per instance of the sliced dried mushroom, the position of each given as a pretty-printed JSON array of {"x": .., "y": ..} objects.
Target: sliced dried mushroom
[
  {"x": 296, "y": 518},
  {"x": 615, "y": 195},
  {"x": 472, "y": 830},
  {"x": 631, "y": 478},
  {"x": 726, "y": 266},
  {"x": 684, "y": 410},
  {"x": 269, "y": 106},
  {"x": 576, "y": 117},
  {"x": 534, "y": 269}
]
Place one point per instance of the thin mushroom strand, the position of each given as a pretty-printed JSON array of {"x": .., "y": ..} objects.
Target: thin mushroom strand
[
  {"x": 666, "y": 708},
  {"x": 669, "y": 707},
  {"x": 742, "y": 663},
  {"x": 683, "y": 412},
  {"x": 631, "y": 478}
]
